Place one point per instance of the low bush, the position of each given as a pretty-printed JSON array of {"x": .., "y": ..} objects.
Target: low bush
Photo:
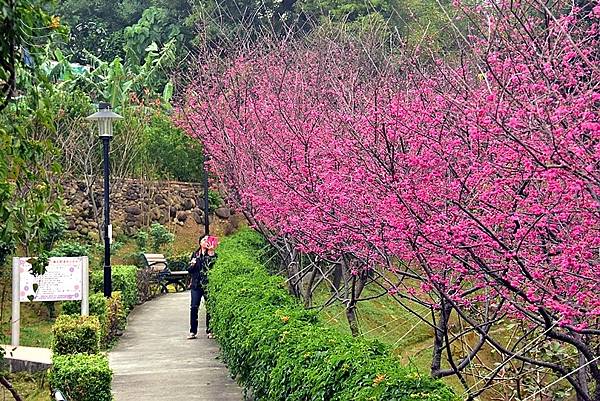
[
  {"x": 101, "y": 306},
  {"x": 144, "y": 285},
  {"x": 97, "y": 306},
  {"x": 281, "y": 351},
  {"x": 82, "y": 377},
  {"x": 124, "y": 279},
  {"x": 179, "y": 262},
  {"x": 116, "y": 316},
  {"x": 70, "y": 249},
  {"x": 76, "y": 334}
]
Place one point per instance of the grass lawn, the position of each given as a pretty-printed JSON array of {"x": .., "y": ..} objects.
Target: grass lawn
[
  {"x": 384, "y": 319},
  {"x": 32, "y": 387}
]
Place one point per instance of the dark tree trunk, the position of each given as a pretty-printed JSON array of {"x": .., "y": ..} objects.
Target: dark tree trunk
[
  {"x": 439, "y": 337},
  {"x": 336, "y": 278}
]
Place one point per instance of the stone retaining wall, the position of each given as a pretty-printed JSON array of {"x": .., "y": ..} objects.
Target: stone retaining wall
[{"x": 136, "y": 204}]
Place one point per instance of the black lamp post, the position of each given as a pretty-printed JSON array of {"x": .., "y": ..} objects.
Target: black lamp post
[
  {"x": 205, "y": 184},
  {"x": 105, "y": 118}
]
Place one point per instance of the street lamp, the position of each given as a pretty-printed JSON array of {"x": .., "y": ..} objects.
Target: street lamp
[
  {"x": 105, "y": 118},
  {"x": 205, "y": 184}
]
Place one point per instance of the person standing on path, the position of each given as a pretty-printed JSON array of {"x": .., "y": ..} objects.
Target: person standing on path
[{"x": 200, "y": 263}]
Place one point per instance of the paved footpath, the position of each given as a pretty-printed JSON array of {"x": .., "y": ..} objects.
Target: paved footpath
[{"x": 154, "y": 360}]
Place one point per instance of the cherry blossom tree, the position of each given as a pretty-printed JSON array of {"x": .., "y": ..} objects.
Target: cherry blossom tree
[{"x": 468, "y": 184}]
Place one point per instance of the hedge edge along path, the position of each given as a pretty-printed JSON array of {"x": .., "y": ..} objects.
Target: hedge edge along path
[{"x": 280, "y": 351}]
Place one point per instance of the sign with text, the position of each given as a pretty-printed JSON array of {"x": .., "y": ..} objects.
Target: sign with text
[{"x": 63, "y": 280}]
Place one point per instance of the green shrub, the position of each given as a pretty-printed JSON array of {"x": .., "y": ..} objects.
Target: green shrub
[
  {"x": 281, "y": 351},
  {"x": 177, "y": 155},
  {"x": 215, "y": 200},
  {"x": 123, "y": 280},
  {"x": 116, "y": 316},
  {"x": 179, "y": 262},
  {"x": 160, "y": 237},
  {"x": 98, "y": 307},
  {"x": 70, "y": 249},
  {"x": 82, "y": 377},
  {"x": 141, "y": 240},
  {"x": 76, "y": 334},
  {"x": 110, "y": 312}
]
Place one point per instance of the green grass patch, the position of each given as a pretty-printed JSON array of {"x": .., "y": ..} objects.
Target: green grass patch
[{"x": 30, "y": 386}]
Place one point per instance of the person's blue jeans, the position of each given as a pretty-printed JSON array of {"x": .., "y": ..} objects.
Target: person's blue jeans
[{"x": 197, "y": 294}]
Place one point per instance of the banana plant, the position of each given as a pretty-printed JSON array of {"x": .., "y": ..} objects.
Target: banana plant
[{"x": 114, "y": 81}]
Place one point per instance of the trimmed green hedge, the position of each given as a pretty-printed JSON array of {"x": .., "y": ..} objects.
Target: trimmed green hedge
[
  {"x": 76, "y": 334},
  {"x": 116, "y": 318},
  {"x": 97, "y": 306},
  {"x": 124, "y": 279},
  {"x": 281, "y": 351},
  {"x": 111, "y": 314},
  {"x": 82, "y": 377}
]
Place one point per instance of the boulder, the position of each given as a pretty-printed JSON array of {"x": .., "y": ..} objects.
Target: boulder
[
  {"x": 189, "y": 204},
  {"x": 163, "y": 218},
  {"x": 155, "y": 214},
  {"x": 223, "y": 212},
  {"x": 182, "y": 216},
  {"x": 133, "y": 210},
  {"x": 132, "y": 195},
  {"x": 131, "y": 217},
  {"x": 198, "y": 216},
  {"x": 159, "y": 200}
]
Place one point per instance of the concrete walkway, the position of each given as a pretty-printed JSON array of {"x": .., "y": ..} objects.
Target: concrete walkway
[{"x": 154, "y": 360}]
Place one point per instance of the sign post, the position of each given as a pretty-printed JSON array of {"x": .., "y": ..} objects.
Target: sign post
[
  {"x": 65, "y": 279},
  {"x": 15, "y": 322}
]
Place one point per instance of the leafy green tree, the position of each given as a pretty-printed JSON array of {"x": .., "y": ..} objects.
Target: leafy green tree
[
  {"x": 177, "y": 155},
  {"x": 30, "y": 211},
  {"x": 153, "y": 27},
  {"x": 25, "y": 27},
  {"x": 347, "y": 11},
  {"x": 105, "y": 28}
]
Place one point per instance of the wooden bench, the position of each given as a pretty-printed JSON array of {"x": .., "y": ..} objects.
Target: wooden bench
[{"x": 161, "y": 275}]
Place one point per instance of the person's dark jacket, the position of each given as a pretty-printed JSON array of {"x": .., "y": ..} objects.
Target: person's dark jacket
[{"x": 199, "y": 271}]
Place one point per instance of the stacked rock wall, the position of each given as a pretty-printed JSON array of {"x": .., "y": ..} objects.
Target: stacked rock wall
[{"x": 136, "y": 204}]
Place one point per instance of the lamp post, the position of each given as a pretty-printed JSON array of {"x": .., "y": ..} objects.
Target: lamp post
[
  {"x": 205, "y": 184},
  {"x": 105, "y": 118}
]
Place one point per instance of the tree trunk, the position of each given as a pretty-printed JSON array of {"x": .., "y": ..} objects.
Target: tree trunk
[
  {"x": 336, "y": 278},
  {"x": 309, "y": 288},
  {"x": 358, "y": 284},
  {"x": 439, "y": 337},
  {"x": 582, "y": 378},
  {"x": 352, "y": 321}
]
